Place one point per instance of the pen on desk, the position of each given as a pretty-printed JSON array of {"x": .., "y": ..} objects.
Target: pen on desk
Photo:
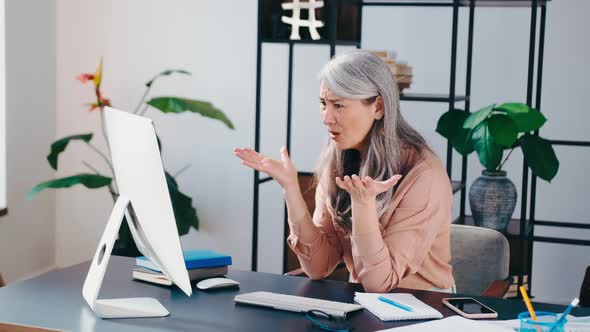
[
  {"x": 395, "y": 304},
  {"x": 528, "y": 303}
]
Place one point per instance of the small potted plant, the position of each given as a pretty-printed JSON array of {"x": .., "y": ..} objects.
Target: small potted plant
[{"x": 489, "y": 132}]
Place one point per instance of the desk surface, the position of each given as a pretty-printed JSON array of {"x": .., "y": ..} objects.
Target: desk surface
[{"x": 54, "y": 300}]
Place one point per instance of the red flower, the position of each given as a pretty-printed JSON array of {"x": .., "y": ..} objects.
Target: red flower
[
  {"x": 93, "y": 106},
  {"x": 105, "y": 102},
  {"x": 96, "y": 78},
  {"x": 96, "y": 105},
  {"x": 85, "y": 77},
  {"x": 102, "y": 100}
]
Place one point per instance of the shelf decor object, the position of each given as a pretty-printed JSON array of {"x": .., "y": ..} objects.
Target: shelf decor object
[{"x": 296, "y": 21}]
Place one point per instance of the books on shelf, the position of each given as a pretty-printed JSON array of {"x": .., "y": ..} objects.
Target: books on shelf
[
  {"x": 194, "y": 259},
  {"x": 400, "y": 69},
  {"x": 144, "y": 274},
  {"x": 385, "y": 54}
]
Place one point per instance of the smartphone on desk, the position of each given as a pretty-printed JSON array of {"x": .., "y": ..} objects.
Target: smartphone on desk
[{"x": 469, "y": 307}]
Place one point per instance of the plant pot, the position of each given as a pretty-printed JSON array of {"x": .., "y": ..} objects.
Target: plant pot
[{"x": 492, "y": 198}]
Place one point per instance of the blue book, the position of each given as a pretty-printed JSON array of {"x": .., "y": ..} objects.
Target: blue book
[{"x": 194, "y": 259}]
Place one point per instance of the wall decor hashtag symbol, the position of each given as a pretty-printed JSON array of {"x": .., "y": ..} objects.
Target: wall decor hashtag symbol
[{"x": 295, "y": 21}]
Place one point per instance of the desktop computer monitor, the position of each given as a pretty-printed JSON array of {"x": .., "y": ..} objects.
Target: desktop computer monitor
[{"x": 145, "y": 201}]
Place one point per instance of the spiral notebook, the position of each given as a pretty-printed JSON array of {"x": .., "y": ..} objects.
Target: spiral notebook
[{"x": 387, "y": 312}]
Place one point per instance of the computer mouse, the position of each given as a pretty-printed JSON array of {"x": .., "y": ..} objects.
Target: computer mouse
[{"x": 213, "y": 283}]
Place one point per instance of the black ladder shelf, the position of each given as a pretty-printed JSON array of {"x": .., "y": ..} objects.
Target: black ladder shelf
[{"x": 524, "y": 236}]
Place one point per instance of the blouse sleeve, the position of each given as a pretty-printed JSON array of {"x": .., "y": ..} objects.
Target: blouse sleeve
[
  {"x": 383, "y": 258},
  {"x": 321, "y": 251}
]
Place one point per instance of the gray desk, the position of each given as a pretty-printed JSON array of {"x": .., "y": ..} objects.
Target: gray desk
[{"x": 54, "y": 300}]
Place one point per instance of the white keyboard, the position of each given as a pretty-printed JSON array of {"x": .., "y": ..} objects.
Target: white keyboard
[{"x": 296, "y": 303}]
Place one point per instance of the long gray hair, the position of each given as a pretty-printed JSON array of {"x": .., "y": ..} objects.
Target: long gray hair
[{"x": 363, "y": 76}]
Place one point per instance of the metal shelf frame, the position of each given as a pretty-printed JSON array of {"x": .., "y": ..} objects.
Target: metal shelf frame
[{"x": 534, "y": 85}]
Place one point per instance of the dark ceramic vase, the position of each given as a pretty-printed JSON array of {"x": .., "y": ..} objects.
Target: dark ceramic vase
[{"x": 492, "y": 198}]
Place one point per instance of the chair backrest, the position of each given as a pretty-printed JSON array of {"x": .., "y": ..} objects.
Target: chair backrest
[
  {"x": 479, "y": 257},
  {"x": 585, "y": 290}
]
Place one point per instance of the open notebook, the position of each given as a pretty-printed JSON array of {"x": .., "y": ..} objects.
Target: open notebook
[{"x": 387, "y": 312}]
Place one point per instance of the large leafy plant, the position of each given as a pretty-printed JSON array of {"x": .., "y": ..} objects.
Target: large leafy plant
[
  {"x": 495, "y": 128},
  {"x": 184, "y": 212}
]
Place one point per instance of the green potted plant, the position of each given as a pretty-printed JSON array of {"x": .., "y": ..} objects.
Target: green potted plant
[
  {"x": 182, "y": 204},
  {"x": 489, "y": 132}
]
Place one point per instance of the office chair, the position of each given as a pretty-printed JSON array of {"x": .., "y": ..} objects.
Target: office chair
[
  {"x": 585, "y": 290},
  {"x": 307, "y": 185},
  {"x": 480, "y": 258},
  {"x": 2, "y": 283}
]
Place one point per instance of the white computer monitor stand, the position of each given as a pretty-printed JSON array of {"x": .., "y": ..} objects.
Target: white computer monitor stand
[{"x": 115, "y": 308}]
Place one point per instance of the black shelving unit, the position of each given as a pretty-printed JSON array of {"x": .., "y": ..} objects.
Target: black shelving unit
[{"x": 525, "y": 237}]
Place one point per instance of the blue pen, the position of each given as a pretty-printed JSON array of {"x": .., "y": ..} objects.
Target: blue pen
[
  {"x": 566, "y": 312},
  {"x": 395, "y": 304}
]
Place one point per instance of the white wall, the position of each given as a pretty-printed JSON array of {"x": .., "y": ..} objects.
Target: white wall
[
  {"x": 137, "y": 40},
  {"x": 27, "y": 233}
]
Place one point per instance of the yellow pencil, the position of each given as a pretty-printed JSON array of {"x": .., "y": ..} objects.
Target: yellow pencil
[{"x": 528, "y": 303}]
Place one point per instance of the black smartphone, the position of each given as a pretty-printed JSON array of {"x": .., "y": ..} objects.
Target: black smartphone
[{"x": 469, "y": 307}]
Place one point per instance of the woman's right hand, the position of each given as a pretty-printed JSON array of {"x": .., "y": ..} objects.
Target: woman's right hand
[{"x": 283, "y": 171}]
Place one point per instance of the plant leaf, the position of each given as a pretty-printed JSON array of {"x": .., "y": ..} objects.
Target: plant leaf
[
  {"x": 540, "y": 156},
  {"x": 59, "y": 146},
  {"x": 503, "y": 129},
  {"x": 179, "y": 105},
  {"x": 166, "y": 73},
  {"x": 184, "y": 212},
  {"x": 527, "y": 119},
  {"x": 462, "y": 142},
  {"x": 488, "y": 151},
  {"x": 478, "y": 117},
  {"x": 450, "y": 126},
  {"x": 449, "y": 122},
  {"x": 88, "y": 180}
]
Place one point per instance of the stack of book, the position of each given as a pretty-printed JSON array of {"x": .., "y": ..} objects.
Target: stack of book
[
  {"x": 401, "y": 70},
  {"x": 200, "y": 264}
]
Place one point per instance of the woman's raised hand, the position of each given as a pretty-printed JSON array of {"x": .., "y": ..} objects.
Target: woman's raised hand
[
  {"x": 365, "y": 190},
  {"x": 283, "y": 171}
]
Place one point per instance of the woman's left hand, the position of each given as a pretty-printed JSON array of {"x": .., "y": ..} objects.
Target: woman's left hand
[{"x": 365, "y": 190}]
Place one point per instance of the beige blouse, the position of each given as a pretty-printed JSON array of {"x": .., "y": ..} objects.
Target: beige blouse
[{"x": 412, "y": 248}]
